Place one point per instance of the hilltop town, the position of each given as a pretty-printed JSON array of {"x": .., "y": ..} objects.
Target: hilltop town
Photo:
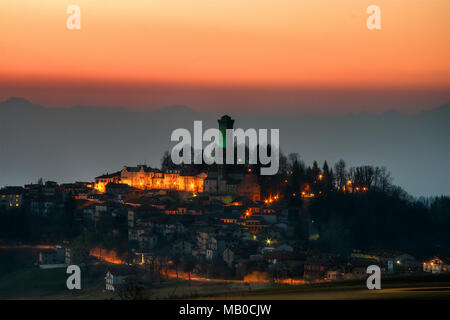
[{"x": 305, "y": 224}]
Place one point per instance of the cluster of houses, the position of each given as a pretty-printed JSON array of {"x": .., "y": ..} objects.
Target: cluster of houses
[
  {"x": 41, "y": 198},
  {"x": 233, "y": 239},
  {"x": 226, "y": 237}
]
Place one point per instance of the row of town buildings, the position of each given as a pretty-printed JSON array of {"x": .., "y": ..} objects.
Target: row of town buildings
[{"x": 241, "y": 182}]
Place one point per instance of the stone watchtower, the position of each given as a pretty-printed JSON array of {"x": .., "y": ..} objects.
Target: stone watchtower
[{"x": 225, "y": 123}]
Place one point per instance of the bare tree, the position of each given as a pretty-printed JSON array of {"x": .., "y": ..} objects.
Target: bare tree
[
  {"x": 340, "y": 173},
  {"x": 383, "y": 179}
]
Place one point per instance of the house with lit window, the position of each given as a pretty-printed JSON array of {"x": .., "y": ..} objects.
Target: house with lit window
[
  {"x": 11, "y": 197},
  {"x": 436, "y": 265},
  {"x": 116, "y": 277},
  {"x": 317, "y": 267},
  {"x": 52, "y": 258}
]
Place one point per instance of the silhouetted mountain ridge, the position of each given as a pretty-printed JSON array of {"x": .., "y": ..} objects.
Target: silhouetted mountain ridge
[
  {"x": 443, "y": 110},
  {"x": 17, "y": 102}
]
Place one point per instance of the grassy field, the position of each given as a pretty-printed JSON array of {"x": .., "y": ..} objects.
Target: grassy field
[
  {"x": 34, "y": 283},
  {"x": 411, "y": 287}
]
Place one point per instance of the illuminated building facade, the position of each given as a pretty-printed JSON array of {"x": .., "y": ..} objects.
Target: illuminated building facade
[{"x": 146, "y": 178}]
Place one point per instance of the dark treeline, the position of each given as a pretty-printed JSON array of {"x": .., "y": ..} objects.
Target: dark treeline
[{"x": 359, "y": 207}]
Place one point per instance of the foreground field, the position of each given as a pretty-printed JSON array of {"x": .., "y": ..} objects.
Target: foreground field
[
  {"x": 412, "y": 287},
  {"x": 33, "y": 283}
]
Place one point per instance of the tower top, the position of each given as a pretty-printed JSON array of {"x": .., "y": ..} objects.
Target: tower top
[{"x": 226, "y": 121}]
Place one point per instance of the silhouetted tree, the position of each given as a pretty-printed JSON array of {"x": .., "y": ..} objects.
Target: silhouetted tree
[{"x": 340, "y": 174}]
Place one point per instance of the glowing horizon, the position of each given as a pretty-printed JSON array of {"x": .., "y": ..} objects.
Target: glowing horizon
[{"x": 276, "y": 44}]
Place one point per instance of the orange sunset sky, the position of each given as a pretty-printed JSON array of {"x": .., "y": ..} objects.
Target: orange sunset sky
[{"x": 292, "y": 53}]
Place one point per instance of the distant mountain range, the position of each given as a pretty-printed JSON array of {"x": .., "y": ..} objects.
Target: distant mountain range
[{"x": 81, "y": 142}]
